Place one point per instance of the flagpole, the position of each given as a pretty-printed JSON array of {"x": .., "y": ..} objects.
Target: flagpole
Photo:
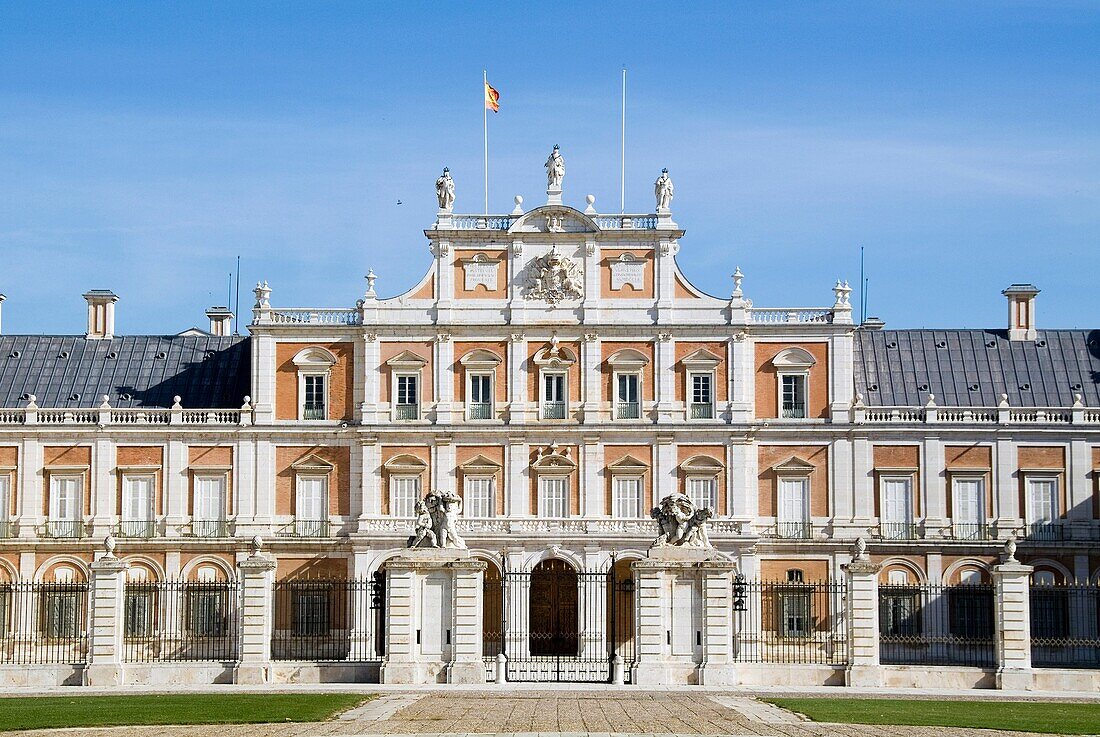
[
  {"x": 622, "y": 175},
  {"x": 485, "y": 128}
]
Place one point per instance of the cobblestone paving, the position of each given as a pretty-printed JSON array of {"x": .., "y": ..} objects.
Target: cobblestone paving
[{"x": 541, "y": 715}]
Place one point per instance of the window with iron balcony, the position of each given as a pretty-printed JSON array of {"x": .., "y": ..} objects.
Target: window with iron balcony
[
  {"x": 792, "y": 367},
  {"x": 554, "y": 364},
  {"x": 314, "y": 366}
]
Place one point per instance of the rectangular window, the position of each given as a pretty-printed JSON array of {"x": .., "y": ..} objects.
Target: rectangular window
[
  {"x": 61, "y": 613},
  {"x": 795, "y": 614},
  {"x": 553, "y": 396},
  {"x": 404, "y": 493},
  {"x": 897, "y": 507},
  {"x": 553, "y": 496},
  {"x": 477, "y": 496},
  {"x": 314, "y": 406},
  {"x": 139, "y": 610},
  {"x": 137, "y": 498},
  {"x": 702, "y": 396},
  {"x": 481, "y": 397},
  {"x": 207, "y": 610},
  {"x": 311, "y": 506},
  {"x": 793, "y": 396},
  {"x": 66, "y": 505},
  {"x": 970, "y": 611},
  {"x": 312, "y": 613},
  {"x": 209, "y": 514},
  {"x": 628, "y": 497},
  {"x": 703, "y": 492},
  {"x": 793, "y": 508},
  {"x": 899, "y": 611},
  {"x": 1042, "y": 499},
  {"x": 968, "y": 509},
  {"x": 408, "y": 397},
  {"x": 626, "y": 397}
]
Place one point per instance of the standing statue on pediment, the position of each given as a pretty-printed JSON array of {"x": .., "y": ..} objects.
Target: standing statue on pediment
[
  {"x": 445, "y": 190},
  {"x": 663, "y": 190},
  {"x": 555, "y": 169}
]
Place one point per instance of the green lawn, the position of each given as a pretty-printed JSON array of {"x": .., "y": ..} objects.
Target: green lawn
[
  {"x": 1024, "y": 716},
  {"x": 38, "y": 712}
]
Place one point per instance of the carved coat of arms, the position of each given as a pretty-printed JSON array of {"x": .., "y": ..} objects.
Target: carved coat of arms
[{"x": 554, "y": 278}]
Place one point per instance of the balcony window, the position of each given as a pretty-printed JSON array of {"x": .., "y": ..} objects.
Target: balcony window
[
  {"x": 793, "y": 520},
  {"x": 793, "y": 396},
  {"x": 968, "y": 507},
  {"x": 138, "y": 505},
  {"x": 314, "y": 366},
  {"x": 311, "y": 505},
  {"x": 553, "y": 467},
  {"x": 792, "y": 367},
  {"x": 480, "y": 405},
  {"x": 1041, "y": 493},
  {"x": 702, "y": 396},
  {"x": 554, "y": 496},
  {"x": 627, "y": 497},
  {"x": 408, "y": 397},
  {"x": 553, "y": 396},
  {"x": 404, "y": 494},
  {"x": 209, "y": 515},
  {"x": 66, "y": 505},
  {"x": 703, "y": 492},
  {"x": 477, "y": 496},
  {"x": 896, "y": 507},
  {"x": 627, "y": 402}
]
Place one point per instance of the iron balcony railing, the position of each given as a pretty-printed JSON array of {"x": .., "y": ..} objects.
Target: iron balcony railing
[
  {"x": 553, "y": 410},
  {"x": 65, "y": 528},
  {"x": 628, "y": 410},
  {"x": 700, "y": 411},
  {"x": 209, "y": 528},
  {"x": 972, "y": 531},
  {"x": 1046, "y": 531},
  {"x": 794, "y": 530},
  {"x": 897, "y": 531},
  {"x": 407, "y": 412},
  {"x": 137, "y": 529},
  {"x": 306, "y": 528},
  {"x": 480, "y": 411},
  {"x": 313, "y": 411},
  {"x": 793, "y": 411}
]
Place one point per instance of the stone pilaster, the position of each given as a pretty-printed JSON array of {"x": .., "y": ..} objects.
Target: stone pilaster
[
  {"x": 107, "y": 591},
  {"x": 466, "y": 665},
  {"x": 257, "y": 576},
  {"x": 863, "y": 663},
  {"x": 1011, "y": 599}
]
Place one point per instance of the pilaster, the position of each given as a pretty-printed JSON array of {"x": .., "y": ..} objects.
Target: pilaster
[
  {"x": 517, "y": 379},
  {"x": 263, "y": 378},
  {"x": 592, "y": 489},
  {"x": 665, "y": 379},
  {"x": 29, "y": 487},
  {"x": 104, "y": 487},
  {"x": 443, "y": 380},
  {"x": 1011, "y": 597},
  {"x": 257, "y": 576},
  {"x": 863, "y": 625},
  {"x": 742, "y": 378},
  {"x": 1006, "y": 497},
  {"x": 517, "y": 460},
  {"x": 105, "y": 629},
  {"x": 934, "y": 486},
  {"x": 372, "y": 374},
  {"x": 591, "y": 380}
]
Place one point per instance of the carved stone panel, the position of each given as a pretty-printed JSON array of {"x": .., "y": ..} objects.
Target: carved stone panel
[{"x": 628, "y": 269}]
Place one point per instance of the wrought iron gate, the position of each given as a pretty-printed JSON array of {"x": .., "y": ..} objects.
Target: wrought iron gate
[{"x": 555, "y": 624}]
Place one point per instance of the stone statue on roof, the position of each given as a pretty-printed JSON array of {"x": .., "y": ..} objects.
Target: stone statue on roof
[
  {"x": 445, "y": 190},
  {"x": 663, "y": 190},
  {"x": 555, "y": 169}
]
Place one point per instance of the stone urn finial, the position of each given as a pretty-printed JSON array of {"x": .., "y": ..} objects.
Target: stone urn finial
[
  {"x": 109, "y": 544},
  {"x": 1010, "y": 551},
  {"x": 859, "y": 550},
  {"x": 257, "y": 544}
]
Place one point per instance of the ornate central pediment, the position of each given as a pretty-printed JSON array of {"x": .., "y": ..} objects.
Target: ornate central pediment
[{"x": 554, "y": 219}]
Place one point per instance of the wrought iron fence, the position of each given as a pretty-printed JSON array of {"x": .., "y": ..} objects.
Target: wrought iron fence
[
  {"x": 329, "y": 619},
  {"x": 1065, "y": 626},
  {"x": 1045, "y": 531},
  {"x": 933, "y": 624},
  {"x": 790, "y": 622},
  {"x": 43, "y": 623},
  {"x": 167, "y": 621}
]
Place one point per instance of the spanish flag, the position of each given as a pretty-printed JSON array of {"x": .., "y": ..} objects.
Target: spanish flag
[{"x": 492, "y": 98}]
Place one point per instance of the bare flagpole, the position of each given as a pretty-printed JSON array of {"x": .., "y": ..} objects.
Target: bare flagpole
[
  {"x": 485, "y": 127},
  {"x": 622, "y": 175}
]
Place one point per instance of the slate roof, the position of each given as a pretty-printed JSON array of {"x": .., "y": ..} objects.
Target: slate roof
[
  {"x": 134, "y": 371},
  {"x": 972, "y": 368}
]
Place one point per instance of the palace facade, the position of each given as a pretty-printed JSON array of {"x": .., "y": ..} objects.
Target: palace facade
[{"x": 558, "y": 371}]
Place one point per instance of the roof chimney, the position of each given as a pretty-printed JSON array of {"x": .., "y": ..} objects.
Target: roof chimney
[
  {"x": 2, "y": 298},
  {"x": 221, "y": 321},
  {"x": 1021, "y": 311},
  {"x": 101, "y": 314}
]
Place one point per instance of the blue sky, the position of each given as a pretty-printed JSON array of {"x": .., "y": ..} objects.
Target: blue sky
[{"x": 143, "y": 146}]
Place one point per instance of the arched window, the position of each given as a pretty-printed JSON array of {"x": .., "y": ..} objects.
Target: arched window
[{"x": 314, "y": 368}]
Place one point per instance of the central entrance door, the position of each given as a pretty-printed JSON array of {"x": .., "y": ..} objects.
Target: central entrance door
[{"x": 553, "y": 607}]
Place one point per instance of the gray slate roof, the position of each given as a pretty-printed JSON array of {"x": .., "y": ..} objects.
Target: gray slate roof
[
  {"x": 134, "y": 371},
  {"x": 972, "y": 368}
]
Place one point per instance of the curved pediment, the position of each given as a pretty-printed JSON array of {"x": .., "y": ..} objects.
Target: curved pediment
[{"x": 554, "y": 219}]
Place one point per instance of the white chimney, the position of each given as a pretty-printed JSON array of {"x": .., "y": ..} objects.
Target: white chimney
[
  {"x": 221, "y": 321},
  {"x": 1021, "y": 311},
  {"x": 2, "y": 298},
  {"x": 101, "y": 314}
]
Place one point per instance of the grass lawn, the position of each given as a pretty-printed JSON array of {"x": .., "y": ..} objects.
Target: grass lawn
[
  {"x": 38, "y": 712},
  {"x": 1025, "y": 716}
]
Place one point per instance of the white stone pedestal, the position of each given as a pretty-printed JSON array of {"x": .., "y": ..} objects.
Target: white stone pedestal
[
  {"x": 108, "y": 583},
  {"x": 1011, "y": 601},
  {"x": 863, "y": 661},
  {"x": 553, "y": 196},
  {"x": 433, "y": 618},
  {"x": 257, "y": 574},
  {"x": 685, "y": 599}
]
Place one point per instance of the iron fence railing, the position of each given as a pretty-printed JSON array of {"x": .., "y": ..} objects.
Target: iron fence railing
[
  {"x": 972, "y": 531},
  {"x": 790, "y": 622},
  {"x": 180, "y": 621},
  {"x": 932, "y": 624},
  {"x": 1044, "y": 531},
  {"x": 794, "y": 530},
  {"x": 329, "y": 620},
  {"x": 43, "y": 623},
  {"x": 1065, "y": 626},
  {"x": 312, "y": 411}
]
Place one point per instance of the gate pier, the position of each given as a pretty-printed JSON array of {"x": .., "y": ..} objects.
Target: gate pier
[
  {"x": 684, "y": 601},
  {"x": 434, "y": 618}
]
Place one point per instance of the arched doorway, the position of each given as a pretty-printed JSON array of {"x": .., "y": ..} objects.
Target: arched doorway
[{"x": 553, "y": 608}]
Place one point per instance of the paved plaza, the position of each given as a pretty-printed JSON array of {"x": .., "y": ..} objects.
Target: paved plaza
[{"x": 546, "y": 714}]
